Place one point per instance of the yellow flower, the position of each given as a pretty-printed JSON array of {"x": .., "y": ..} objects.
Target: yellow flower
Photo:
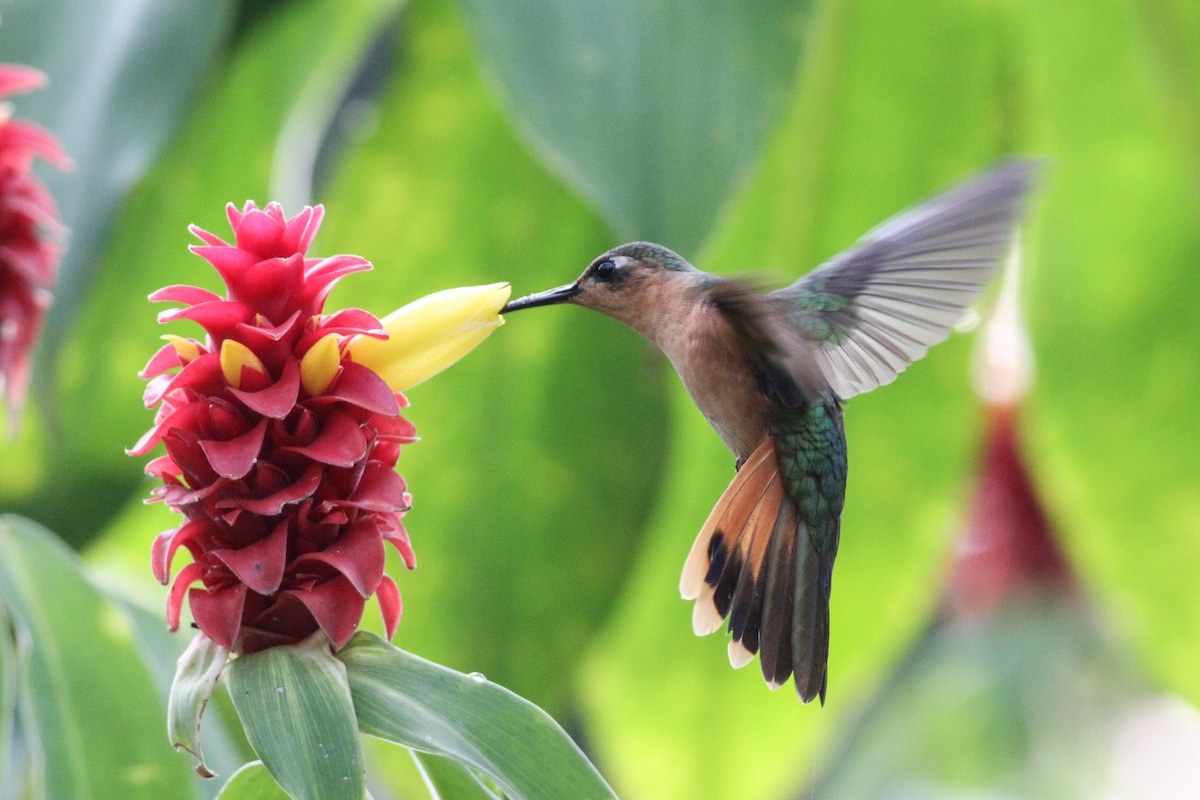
[{"x": 430, "y": 334}]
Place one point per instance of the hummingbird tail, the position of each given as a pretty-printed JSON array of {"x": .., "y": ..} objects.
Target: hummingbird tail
[{"x": 753, "y": 562}]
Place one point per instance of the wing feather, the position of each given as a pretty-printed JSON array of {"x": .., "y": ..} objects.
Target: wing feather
[{"x": 881, "y": 305}]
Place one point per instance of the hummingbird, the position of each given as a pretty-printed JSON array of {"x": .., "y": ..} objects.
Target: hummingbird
[{"x": 770, "y": 372}]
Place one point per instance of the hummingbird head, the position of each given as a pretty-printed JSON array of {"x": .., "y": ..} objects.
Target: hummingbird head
[{"x": 633, "y": 283}]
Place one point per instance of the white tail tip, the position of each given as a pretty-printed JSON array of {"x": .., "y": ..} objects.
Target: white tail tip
[
  {"x": 739, "y": 656},
  {"x": 705, "y": 618}
]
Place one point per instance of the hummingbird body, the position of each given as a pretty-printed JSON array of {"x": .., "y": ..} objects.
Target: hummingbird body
[
  {"x": 770, "y": 371},
  {"x": 717, "y": 371}
]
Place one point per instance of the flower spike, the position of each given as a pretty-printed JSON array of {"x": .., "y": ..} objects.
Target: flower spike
[
  {"x": 282, "y": 434},
  {"x": 265, "y": 467}
]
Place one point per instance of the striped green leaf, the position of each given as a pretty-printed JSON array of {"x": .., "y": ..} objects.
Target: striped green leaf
[
  {"x": 295, "y": 705},
  {"x": 408, "y": 700}
]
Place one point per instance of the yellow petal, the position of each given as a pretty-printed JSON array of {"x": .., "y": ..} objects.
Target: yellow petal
[
  {"x": 234, "y": 356},
  {"x": 320, "y": 365},
  {"x": 430, "y": 334},
  {"x": 186, "y": 349}
]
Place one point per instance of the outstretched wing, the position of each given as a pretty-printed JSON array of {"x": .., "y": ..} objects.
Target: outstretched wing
[{"x": 876, "y": 308}]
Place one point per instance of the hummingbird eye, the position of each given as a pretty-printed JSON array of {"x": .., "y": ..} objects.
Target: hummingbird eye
[{"x": 605, "y": 270}]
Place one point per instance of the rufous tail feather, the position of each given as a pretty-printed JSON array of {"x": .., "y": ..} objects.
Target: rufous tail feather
[{"x": 753, "y": 563}]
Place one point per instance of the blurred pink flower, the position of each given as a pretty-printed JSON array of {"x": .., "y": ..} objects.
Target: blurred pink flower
[{"x": 29, "y": 232}]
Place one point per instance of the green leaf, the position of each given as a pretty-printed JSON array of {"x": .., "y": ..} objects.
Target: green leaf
[
  {"x": 22, "y": 765},
  {"x": 448, "y": 779},
  {"x": 8, "y": 694},
  {"x": 199, "y": 668},
  {"x": 653, "y": 111},
  {"x": 224, "y": 744},
  {"x": 252, "y": 782},
  {"x": 93, "y": 708},
  {"x": 295, "y": 705},
  {"x": 1018, "y": 704},
  {"x": 419, "y": 704}
]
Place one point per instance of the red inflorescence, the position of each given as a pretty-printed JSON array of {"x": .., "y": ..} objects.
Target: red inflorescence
[
  {"x": 288, "y": 496},
  {"x": 29, "y": 233}
]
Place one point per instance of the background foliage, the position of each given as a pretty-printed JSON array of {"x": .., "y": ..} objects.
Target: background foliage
[{"x": 562, "y": 471}]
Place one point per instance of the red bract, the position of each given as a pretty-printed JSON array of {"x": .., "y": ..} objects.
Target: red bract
[
  {"x": 29, "y": 229},
  {"x": 280, "y": 450}
]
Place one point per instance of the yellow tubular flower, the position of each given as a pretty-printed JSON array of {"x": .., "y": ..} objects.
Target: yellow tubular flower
[{"x": 430, "y": 334}]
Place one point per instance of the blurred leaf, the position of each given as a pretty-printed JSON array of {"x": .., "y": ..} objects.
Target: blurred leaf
[
  {"x": 1020, "y": 704},
  {"x": 252, "y": 782},
  {"x": 89, "y": 695},
  {"x": 554, "y": 421},
  {"x": 448, "y": 779},
  {"x": 224, "y": 744},
  {"x": 223, "y": 154},
  {"x": 22, "y": 762},
  {"x": 1114, "y": 312},
  {"x": 199, "y": 668},
  {"x": 358, "y": 54},
  {"x": 1171, "y": 29},
  {"x": 419, "y": 704},
  {"x": 860, "y": 141},
  {"x": 393, "y": 771},
  {"x": 295, "y": 705},
  {"x": 653, "y": 111},
  {"x": 122, "y": 75},
  {"x": 9, "y": 671}
]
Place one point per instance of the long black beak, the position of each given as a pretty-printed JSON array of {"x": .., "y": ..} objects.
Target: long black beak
[{"x": 549, "y": 297}]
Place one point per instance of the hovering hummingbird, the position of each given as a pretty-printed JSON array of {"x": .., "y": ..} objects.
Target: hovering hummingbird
[{"x": 770, "y": 373}]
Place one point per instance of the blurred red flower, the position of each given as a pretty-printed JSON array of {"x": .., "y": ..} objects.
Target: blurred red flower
[{"x": 30, "y": 230}]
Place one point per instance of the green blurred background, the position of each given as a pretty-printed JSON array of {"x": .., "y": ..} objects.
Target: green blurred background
[{"x": 562, "y": 472}]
